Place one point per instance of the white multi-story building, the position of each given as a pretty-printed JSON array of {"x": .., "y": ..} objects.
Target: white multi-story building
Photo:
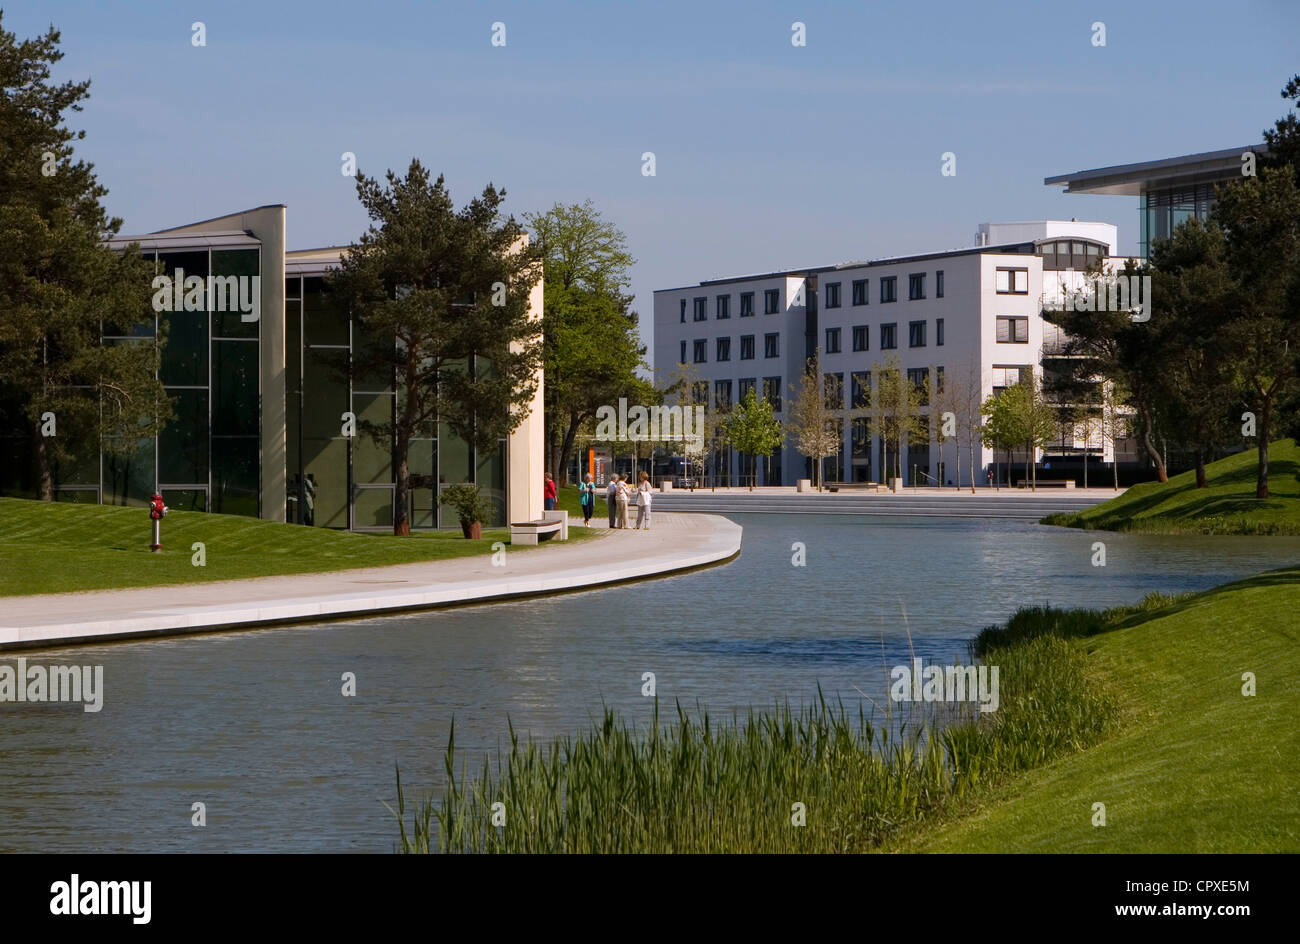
[{"x": 973, "y": 314}]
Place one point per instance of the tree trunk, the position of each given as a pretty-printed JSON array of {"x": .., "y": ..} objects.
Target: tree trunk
[
  {"x": 1265, "y": 422},
  {"x": 971, "y": 445},
  {"x": 402, "y": 449},
  {"x": 1085, "y": 462},
  {"x": 561, "y": 472},
  {"x": 1152, "y": 451},
  {"x": 44, "y": 476},
  {"x": 1200, "y": 468},
  {"x": 401, "y": 524}
]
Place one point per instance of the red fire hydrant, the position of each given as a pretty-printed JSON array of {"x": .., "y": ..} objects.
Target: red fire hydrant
[{"x": 157, "y": 511}]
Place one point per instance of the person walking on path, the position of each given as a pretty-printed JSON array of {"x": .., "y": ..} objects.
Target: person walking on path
[
  {"x": 548, "y": 493},
  {"x": 587, "y": 499},
  {"x": 643, "y": 491},
  {"x": 611, "y": 499},
  {"x": 624, "y": 493}
]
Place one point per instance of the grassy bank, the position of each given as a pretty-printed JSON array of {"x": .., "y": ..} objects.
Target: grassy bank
[
  {"x": 1139, "y": 708},
  {"x": 1197, "y": 766},
  {"x": 56, "y": 547},
  {"x": 1226, "y": 506}
]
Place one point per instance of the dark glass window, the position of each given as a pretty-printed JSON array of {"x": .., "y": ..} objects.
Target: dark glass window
[
  {"x": 324, "y": 322},
  {"x": 859, "y": 291},
  {"x": 833, "y": 389},
  {"x": 746, "y": 304},
  {"x": 919, "y": 378},
  {"x": 889, "y": 288},
  {"x": 746, "y": 347},
  {"x": 234, "y": 475},
  {"x": 683, "y": 311},
  {"x": 938, "y": 284},
  {"x": 888, "y": 337},
  {"x": 743, "y": 387},
  {"x": 832, "y": 340},
  {"x": 916, "y": 334},
  {"x": 938, "y": 332},
  {"x": 682, "y": 359},
  {"x": 860, "y": 389},
  {"x": 722, "y": 395},
  {"x": 916, "y": 286},
  {"x": 236, "y": 289},
  {"x": 772, "y": 345},
  {"x": 184, "y": 360},
  {"x": 771, "y": 301},
  {"x": 701, "y": 309},
  {"x": 723, "y": 306},
  {"x": 724, "y": 349},
  {"x": 183, "y": 442},
  {"x": 772, "y": 392},
  {"x": 861, "y": 338},
  {"x": 701, "y": 351},
  {"x": 234, "y": 388},
  {"x": 832, "y": 295}
]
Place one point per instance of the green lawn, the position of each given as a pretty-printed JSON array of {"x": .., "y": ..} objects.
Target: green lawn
[
  {"x": 57, "y": 547},
  {"x": 1197, "y": 766},
  {"x": 1226, "y": 506}
]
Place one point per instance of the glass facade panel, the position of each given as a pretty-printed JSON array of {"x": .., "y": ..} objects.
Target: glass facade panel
[
  {"x": 185, "y": 499},
  {"x": 129, "y": 479},
  {"x": 372, "y": 457},
  {"x": 184, "y": 360},
  {"x": 373, "y": 508},
  {"x": 235, "y": 477},
  {"x": 183, "y": 443},
  {"x": 239, "y": 299},
  {"x": 422, "y": 460},
  {"x": 325, "y": 323},
  {"x": 491, "y": 477},
  {"x": 234, "y": 388}
]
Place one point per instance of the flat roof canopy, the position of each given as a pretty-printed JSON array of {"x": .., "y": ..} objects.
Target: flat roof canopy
[{"x": 1133, "y": 180}]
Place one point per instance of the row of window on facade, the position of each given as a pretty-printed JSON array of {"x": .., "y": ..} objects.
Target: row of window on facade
[{"x": 833, "y": 387}]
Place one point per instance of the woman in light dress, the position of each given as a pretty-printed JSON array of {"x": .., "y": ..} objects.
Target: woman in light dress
[
  {"x": 643, "y": 501},
  {"x": 621, "y": 497}
]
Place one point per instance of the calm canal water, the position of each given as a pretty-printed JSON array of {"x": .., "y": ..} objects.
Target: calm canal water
[{"x": 254, "y": 724}]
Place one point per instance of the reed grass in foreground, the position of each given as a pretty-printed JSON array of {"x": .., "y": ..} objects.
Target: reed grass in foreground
[{"x": 699, "y": 785}]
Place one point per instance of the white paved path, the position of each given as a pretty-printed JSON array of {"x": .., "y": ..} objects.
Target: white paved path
[{"x": 676, "y": 542}]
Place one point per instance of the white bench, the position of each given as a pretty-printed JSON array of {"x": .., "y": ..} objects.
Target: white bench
[{"x": 553, "y": 524}]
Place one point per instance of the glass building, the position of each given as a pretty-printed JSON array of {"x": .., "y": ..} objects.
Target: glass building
[
  {"x": 1169, "y": 191},
  {"x": 261, "y": 372}
]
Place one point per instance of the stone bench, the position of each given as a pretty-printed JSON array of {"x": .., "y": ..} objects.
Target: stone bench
[
  {"x": 854, "y": 486},
  {"x": 553, "y": 524}
]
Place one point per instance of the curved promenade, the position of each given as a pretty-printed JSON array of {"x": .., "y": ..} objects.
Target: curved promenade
[
  {"x": 911, "y": 502},
  {"x": 678, "y": 542}
]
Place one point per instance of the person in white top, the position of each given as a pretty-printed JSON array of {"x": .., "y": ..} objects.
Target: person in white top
[
  {"x": 644, "y": 492},
  {"x": 621, "y": 499}
]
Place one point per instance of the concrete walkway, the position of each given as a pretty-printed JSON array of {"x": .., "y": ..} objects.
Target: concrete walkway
[{"x": 677, "y": 542}]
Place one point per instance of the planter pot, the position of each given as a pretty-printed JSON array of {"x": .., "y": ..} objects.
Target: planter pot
[
  {"x": 805, "y": 485},
  {"x": 895, "y": 484},
  {"x": 472, "y": 529}
]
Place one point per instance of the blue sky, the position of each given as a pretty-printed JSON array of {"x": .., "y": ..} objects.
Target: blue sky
[{"x": 768, "y": 156}]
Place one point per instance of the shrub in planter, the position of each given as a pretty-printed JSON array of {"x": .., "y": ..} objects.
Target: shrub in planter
[{"x": 471, "y": 506}]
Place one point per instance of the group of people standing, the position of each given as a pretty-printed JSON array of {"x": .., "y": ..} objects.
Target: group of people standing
[{"x": 619, "y": 494}]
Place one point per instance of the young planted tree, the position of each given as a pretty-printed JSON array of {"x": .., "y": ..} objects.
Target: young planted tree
[
  {"x": 591, "y": 343},
  {"x": 1004, "y": 427},
  {"x": 59, "y": 283},
  {"x": 810, "y": 418},
  {"x": 896, "y": 408},
  {"x": 451, "y": 287},
  {"x": 964, "y": 389},
  {"x": 752, "y": 428}
]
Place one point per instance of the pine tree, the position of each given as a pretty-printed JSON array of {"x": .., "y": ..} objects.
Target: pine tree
[
  {"x": 62, "y": 389},
  {"x": 452, "y": 288}
]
